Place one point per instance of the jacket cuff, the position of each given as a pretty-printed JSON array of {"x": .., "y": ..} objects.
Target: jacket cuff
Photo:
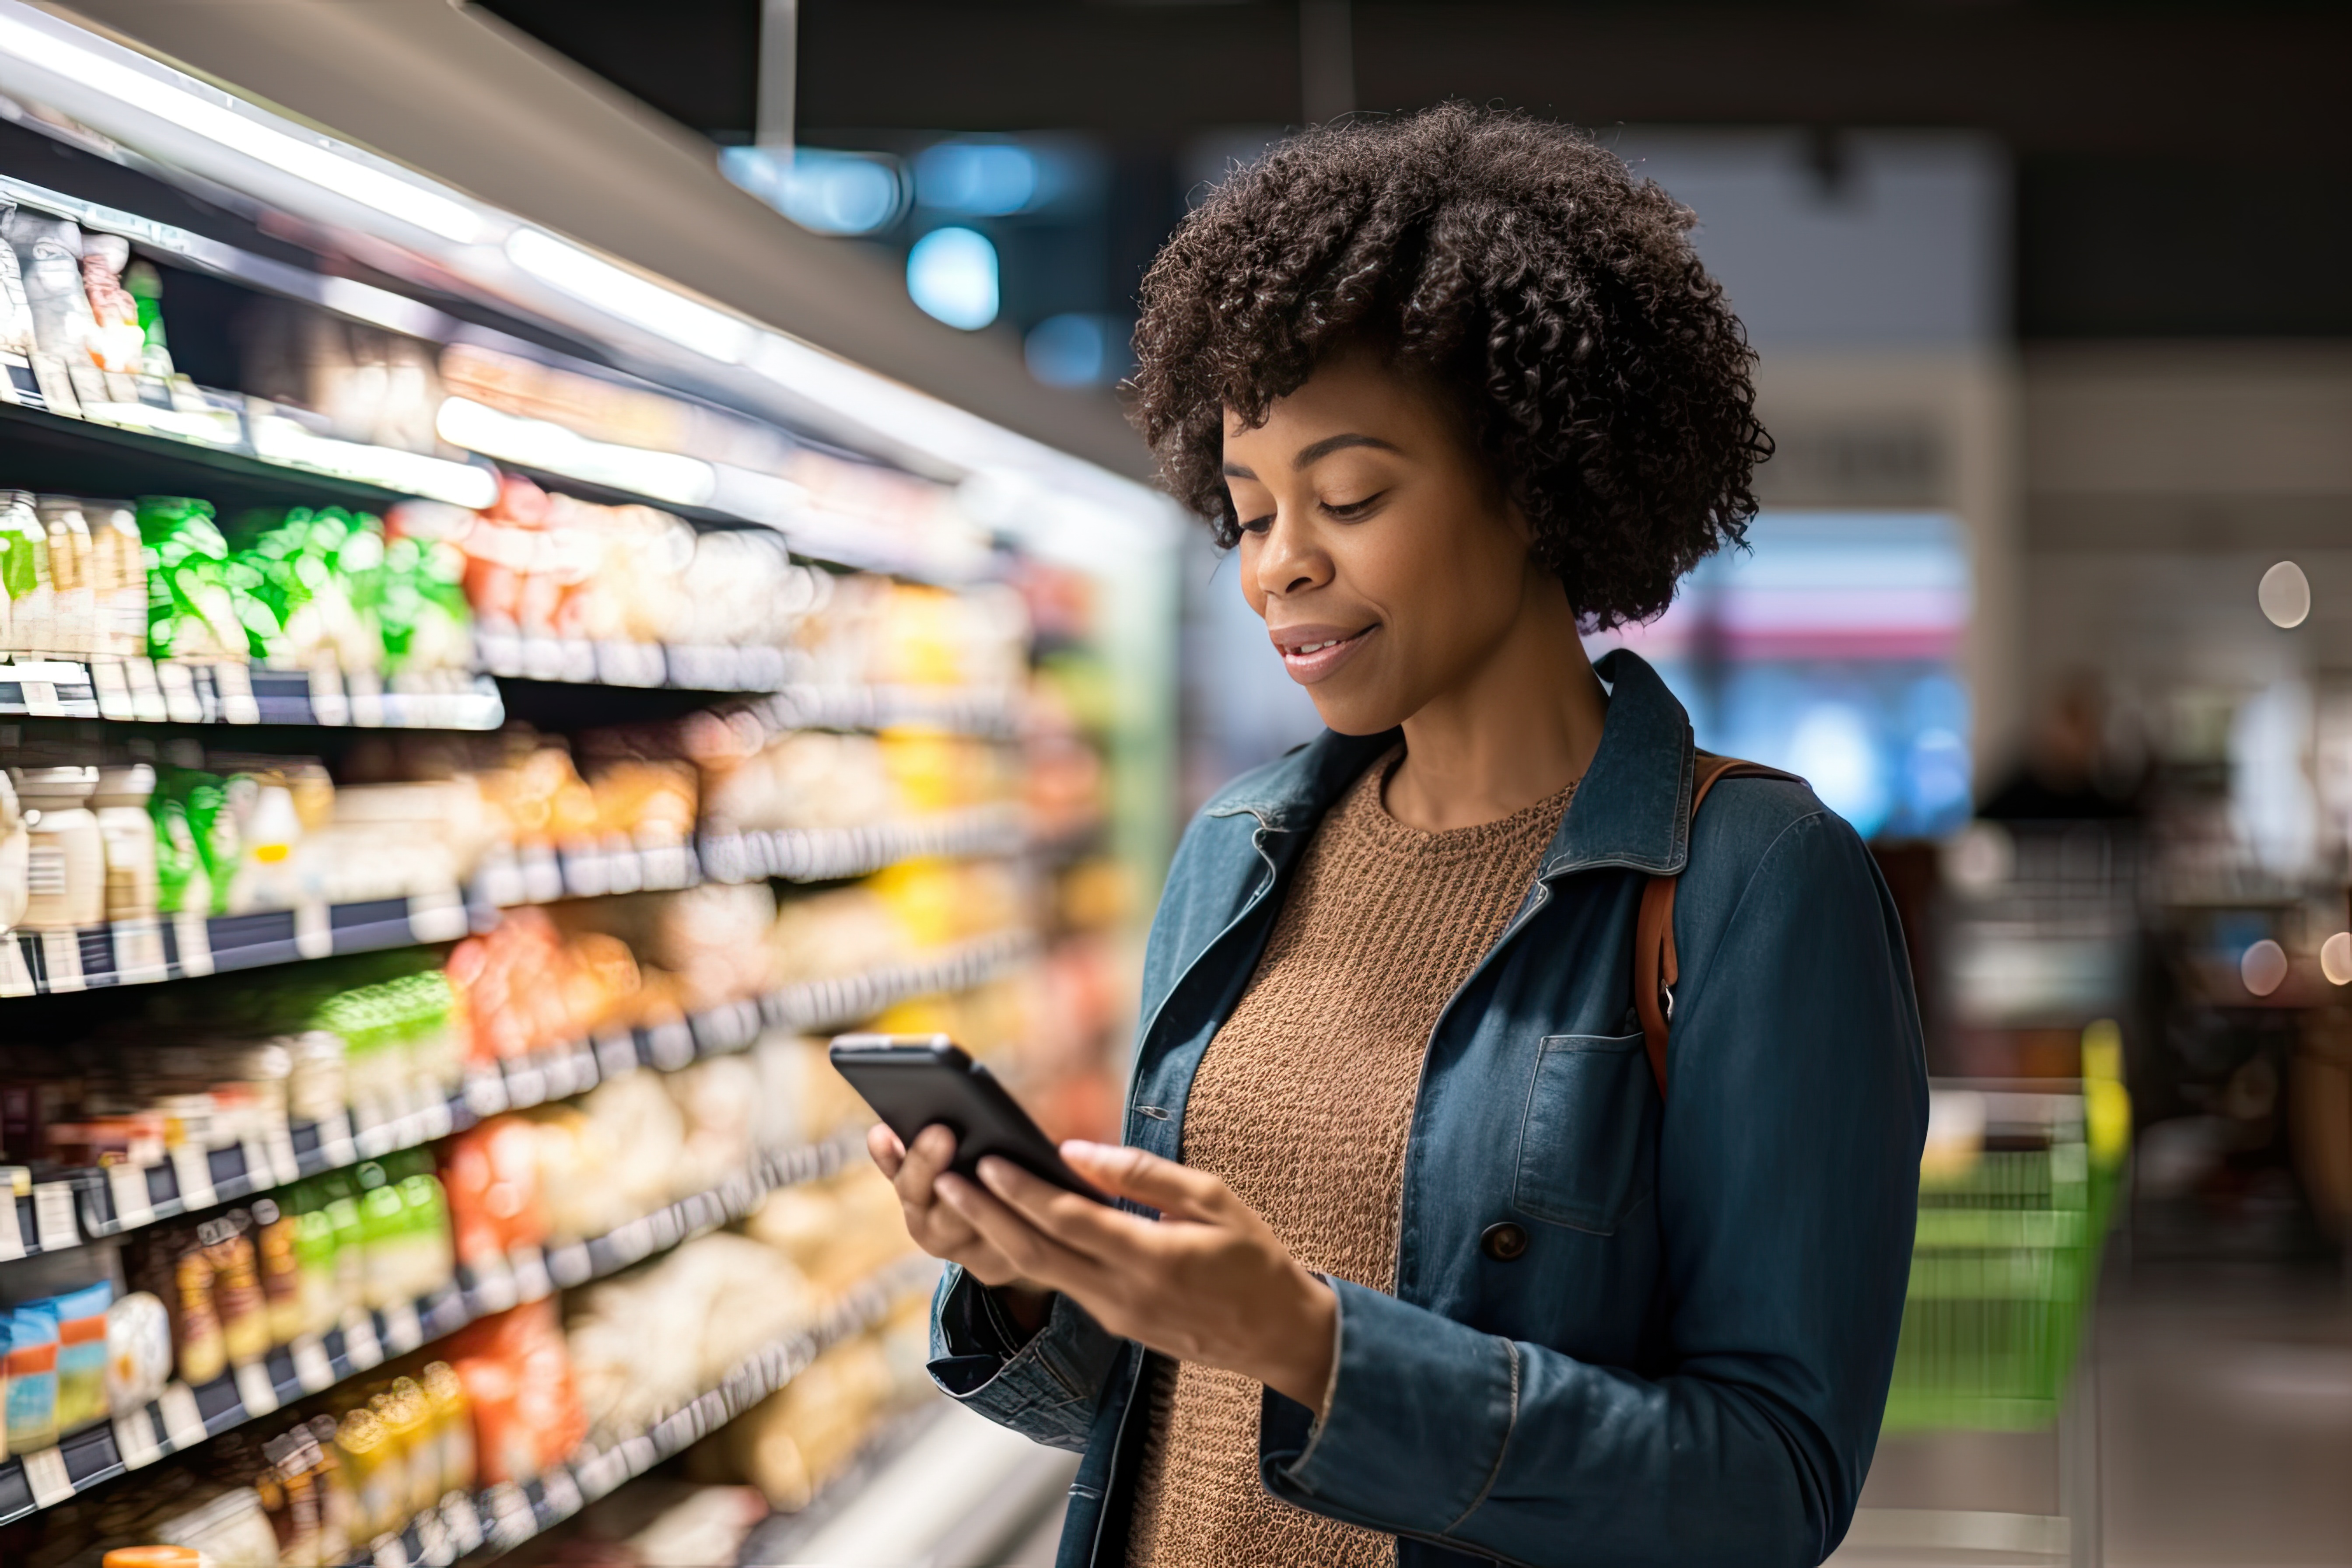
[
  {"x": 1421, "y": 1412},
  {"x": 1046, "y": 1388}
]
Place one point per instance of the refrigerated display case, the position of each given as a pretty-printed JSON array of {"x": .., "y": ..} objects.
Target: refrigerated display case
[{"x": 476, "y": 715}]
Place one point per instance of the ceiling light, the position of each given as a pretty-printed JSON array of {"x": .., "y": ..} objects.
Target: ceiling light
[
  {"x": 638, "y": 300},
  {"x": 952, "y": 275},
  {"x": 320, "y": 162}
]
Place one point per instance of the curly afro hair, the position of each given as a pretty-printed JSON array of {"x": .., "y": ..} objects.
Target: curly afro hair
[{"x": 1526, "y": 271}]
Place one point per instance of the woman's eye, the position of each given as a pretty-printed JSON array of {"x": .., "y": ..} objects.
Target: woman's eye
[
  {"x": 1257, "y": 524},
  {"x": 1344, "y": 510}
]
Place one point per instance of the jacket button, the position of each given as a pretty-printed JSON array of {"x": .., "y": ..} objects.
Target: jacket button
[{"x": 1502, "y": 1242}]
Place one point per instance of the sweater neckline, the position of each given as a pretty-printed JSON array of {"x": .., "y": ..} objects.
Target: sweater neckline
[{"x": 1365, "y": 809}]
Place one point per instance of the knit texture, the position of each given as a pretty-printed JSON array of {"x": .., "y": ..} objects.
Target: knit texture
[{"x": 1302, "y": 1103}]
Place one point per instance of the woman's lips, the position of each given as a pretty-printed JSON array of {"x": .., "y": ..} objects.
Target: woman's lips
[{"x": 1313, "y": 658}]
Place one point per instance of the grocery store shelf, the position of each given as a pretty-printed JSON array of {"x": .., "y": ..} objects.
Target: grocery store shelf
[
  {"x": 96, "y": 1204},
  {"x": 966, "y": 710},
  {"x": 189, "y": 946},
  {"x": 185, "y": 1416},
  {"x": 824, "y": 854},
  {"x": 503, "y": 1517},
  {"x": 174, "y": 691},
  {"x": 577, "y": 661},
  {"x": 146, "y": 446}
]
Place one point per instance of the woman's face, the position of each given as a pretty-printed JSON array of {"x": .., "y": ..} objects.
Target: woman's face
[{"x": 1383, "y": 558}]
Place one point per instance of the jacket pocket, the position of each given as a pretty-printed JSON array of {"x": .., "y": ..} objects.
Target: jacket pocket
[{"x": 1587, "y": 1137}]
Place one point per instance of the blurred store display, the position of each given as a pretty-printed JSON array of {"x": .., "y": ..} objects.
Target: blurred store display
[{"x": 460, "y": 765}]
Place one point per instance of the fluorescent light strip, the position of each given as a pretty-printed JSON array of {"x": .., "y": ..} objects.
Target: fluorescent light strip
[
  {"x": 638, "y": 300},
  {"x": 316, "y": 162}
]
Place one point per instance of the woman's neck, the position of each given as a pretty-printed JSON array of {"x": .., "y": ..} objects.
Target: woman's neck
[{"x": 1523, "y": 725}]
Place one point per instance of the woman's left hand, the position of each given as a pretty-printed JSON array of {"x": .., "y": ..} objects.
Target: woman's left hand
[{"x": 1207, "y": 1282}]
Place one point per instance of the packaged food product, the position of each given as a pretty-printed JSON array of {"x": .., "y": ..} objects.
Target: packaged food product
[
  {"x": 198, "y": 606},
  {"x": 81, "y": 1355},
  {"x": 182, "y": 1274},
  {"x": 126, "y": 830},
  {"x": 153, "y": 1557},
  {"x": 75, "y": 604},
  {"x": 238, "y": 1300},
  {"x": 371, "y": 1469},
  {"x": 291, "y": 1492},
  {"x": 24, "y": 574},
  {"x": 146, "y": 288},
  {"x": 275, "y": 1242},
  {"x": 407, "y": 1418},
  {"x": 138, "y": 1351},
  {"x": 338, "y": 1509},
  {"x": 48, "y": 257},
  {"x": 228, "y": 1528},
  {"x": 453, "y": 1424},
  {"x": 66, "y": 861},
  {"x": 32, "y": 1397}
]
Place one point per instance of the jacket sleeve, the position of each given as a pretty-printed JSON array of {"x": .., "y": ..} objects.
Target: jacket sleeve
[
  {"x": 1046, "y": 1388},
  {"x": 1788, "y": 1181}
]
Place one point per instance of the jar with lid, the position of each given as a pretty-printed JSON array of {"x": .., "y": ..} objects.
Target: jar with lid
[
  {"x": 127, "y": 833},
  {"x": 65, "y": 863}
]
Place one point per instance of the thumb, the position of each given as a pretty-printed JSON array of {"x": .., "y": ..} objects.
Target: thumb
[{"x": 1176, "y": 1190}]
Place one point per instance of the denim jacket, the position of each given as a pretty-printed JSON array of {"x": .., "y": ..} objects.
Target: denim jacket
[{"x": 1687, "y": 1361}]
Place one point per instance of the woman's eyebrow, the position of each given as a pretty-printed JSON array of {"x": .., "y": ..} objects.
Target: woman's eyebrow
[
  {"x": 1235, "y": 471},
  {"x": 1316, "y": 451}
]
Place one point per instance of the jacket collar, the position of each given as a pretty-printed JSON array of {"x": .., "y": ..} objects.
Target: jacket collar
[{"x": 1633, "y": 809}]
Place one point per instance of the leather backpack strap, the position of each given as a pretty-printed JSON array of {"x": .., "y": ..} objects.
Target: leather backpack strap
[{"x": 1655, "y": 970}]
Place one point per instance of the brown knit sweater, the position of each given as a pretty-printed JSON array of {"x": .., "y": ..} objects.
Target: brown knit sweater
[{"x": 1301, "y": 1103}]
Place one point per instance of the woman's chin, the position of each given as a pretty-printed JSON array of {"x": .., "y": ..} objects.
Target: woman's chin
[{"x": 1361, "y": 716}]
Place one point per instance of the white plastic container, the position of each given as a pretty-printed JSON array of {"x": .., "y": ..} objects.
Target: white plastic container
[
  {"x": 65, "y": 865},
  {"x": 127, "y": 833}
]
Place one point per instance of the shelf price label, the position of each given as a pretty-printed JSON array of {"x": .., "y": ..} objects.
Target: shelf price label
[
  {"x": 45, "y": 1472},
  {"x": 193, "y": 1168},
  {"x": 183, "y": 1424},
  {"x": 53, "y": 1216},
  {"x": 254, "y": 1391},
  {"x": 134, "y": 1440}
]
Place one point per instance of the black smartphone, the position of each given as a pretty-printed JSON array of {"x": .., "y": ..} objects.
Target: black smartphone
[{"x": 914, "y": 1081}]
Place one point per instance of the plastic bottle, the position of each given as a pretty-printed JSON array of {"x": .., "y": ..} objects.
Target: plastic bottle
[
  {"x": 117, "y": 574},
  {"x": 75, "y": 602},
  {"x": 127, "y": 833},
  {"x": 65, "y": 865},
  {"x": 24, "y": 575}
]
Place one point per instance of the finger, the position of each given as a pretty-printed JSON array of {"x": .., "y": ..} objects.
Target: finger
[
  {"x": 887, "y": 1152},
  {"x": 1130, "y": 1173},
  {"x": 931, "y": 1153},
  {"x": 1033, "y": 1253},
  {"x": 1095, "y": 1230}
]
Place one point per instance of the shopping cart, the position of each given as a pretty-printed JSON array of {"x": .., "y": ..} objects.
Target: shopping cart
[{"x": 2018, "y": 1187}]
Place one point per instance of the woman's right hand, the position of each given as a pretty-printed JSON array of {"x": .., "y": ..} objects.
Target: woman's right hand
[{"x": 939, "y": 1230}]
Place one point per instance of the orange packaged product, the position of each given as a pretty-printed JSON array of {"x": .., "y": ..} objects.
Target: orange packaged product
[
  {"x": 516, "y": 1372},
  {"x": 491, "y": 1174}
]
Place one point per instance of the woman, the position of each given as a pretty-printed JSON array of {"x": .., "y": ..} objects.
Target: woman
[{"x": 1442, "y": 1271}]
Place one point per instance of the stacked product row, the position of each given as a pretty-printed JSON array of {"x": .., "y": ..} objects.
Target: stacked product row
[
  {"x": 91, "y": 836},
  {"x": 327, "y": 1051},
  {"x": 511, "y": 1398}
]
